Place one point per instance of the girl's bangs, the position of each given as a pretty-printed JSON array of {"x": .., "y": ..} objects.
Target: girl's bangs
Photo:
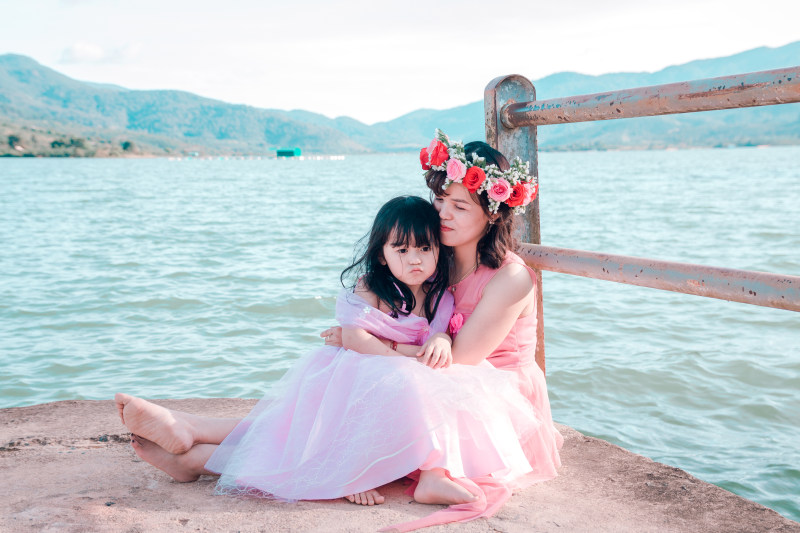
[{"x": 414, "y": 232}]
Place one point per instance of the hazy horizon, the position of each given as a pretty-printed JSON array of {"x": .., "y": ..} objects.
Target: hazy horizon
[{"x": 351, "y": 60}]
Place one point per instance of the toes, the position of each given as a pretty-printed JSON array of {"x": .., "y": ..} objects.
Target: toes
[{"x": 371, "y": 497}]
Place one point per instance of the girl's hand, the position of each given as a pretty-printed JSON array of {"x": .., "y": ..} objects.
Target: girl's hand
[
  {"x": 332, "y": 336},
  {"x": 436, "y": 352}
]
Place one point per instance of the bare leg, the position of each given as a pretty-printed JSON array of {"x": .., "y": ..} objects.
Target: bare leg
[
  {"x": 370, "y": 497},
  {"x": 174, "y": 431},
  {"x": 435, "y": 487},
  {"x": 184, "y": 468}
]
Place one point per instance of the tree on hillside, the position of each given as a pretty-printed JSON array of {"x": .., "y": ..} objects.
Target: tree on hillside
[{"x": 13, "y": 140}]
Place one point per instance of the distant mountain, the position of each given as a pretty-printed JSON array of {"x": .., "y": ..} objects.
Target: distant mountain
[
  {"x": 32, "y": 94},
  {"x": 760, "y": 125},
  {"x": 41, "y": 107}
]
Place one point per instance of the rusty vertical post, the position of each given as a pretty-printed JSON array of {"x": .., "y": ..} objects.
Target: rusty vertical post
[{"x": 518, "y": 142}]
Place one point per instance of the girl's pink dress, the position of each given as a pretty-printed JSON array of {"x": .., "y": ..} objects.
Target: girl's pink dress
[{"x": 340, "y": 422}]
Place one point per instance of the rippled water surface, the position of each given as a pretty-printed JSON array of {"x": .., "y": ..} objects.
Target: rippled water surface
[{"x": 208, "y": 278}]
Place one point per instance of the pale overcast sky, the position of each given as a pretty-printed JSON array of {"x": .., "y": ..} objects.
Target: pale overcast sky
[{"x": 375, "y": 60}]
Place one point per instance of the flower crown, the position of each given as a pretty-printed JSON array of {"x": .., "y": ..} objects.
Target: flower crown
[{"x": 514, "y": 187}]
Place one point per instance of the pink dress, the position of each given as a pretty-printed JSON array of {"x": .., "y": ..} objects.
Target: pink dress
[
  {"x": 340, "y": 422},
  {"x": 516, "y": 356}
]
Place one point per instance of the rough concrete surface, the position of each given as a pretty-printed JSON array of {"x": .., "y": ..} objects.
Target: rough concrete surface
[{"x": 68, "y": 467}]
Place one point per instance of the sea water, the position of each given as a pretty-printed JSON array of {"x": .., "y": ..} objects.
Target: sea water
[{"x": 209, "y": 278}]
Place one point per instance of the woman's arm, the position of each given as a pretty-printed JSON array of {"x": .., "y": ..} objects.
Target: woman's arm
[{"x": 504, "y": 300}]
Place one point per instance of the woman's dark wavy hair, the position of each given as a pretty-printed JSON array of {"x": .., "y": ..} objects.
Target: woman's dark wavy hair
[
  {"x": 406, "y": 220},
  {"x": 500, "y": 237}
]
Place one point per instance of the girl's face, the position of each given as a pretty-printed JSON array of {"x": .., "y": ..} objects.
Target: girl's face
[
  {"x": 463, "y": 220},
  {"x": 410, "y": 263}
]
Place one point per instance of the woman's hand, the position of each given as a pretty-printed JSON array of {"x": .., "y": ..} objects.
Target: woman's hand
[
  {"x": 436, "y": 352},
  {"x": 332, "y": 336}
]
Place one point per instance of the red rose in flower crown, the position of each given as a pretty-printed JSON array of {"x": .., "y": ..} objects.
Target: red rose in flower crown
[
  {"x": 514, "y": 187},
  {"x": 424, "y": 158},
  {"x": 518, "y": 195},
  {"x": 473, "y": 179},
  {"x": 438, "y": 153}
]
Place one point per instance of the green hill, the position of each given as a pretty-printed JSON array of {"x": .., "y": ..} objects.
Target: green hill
[
  {"x": 43, "y": 112},
  {"x": 162, "y": 121}
]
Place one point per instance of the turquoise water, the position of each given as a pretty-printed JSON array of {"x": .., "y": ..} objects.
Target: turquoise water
[{"x": 209, "y": 278}]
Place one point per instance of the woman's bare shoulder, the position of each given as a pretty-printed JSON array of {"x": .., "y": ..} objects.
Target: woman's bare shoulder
[{"x": 512, "y": 280}]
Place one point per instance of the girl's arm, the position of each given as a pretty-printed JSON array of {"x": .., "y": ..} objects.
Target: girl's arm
[
  {"x": 435, "y": 353},
  {"x": 362, "y": 341},
  {"x": 504, "y": 299}
]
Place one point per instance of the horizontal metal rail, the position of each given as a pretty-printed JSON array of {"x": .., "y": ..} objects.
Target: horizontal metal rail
[
  {"x": 757, "y": 288},
  {"x": 769, "y": 87}
]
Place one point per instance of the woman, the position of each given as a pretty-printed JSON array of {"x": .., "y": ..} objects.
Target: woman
[
  {"x": 493, "y": 288},
  {"x": 476, "y": 192}
]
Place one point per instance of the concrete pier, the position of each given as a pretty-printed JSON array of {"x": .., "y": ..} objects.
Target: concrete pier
[{"x": 68, "y": 467}]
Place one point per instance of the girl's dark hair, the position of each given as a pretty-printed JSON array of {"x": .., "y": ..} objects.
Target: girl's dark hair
[
  {"x": 406, "y": 220},
  {"x": 500, "y": 237}
]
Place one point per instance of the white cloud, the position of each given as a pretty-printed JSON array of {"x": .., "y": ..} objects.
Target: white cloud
[
  {"x": 73, "y": 3},
  {"x": 83, "y": 52},
  {"x": 376, "y": 60}
]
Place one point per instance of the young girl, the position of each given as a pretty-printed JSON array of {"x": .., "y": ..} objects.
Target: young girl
[
  {"x": 341, "y": 423},
  {"x": 399, "y": 273}
]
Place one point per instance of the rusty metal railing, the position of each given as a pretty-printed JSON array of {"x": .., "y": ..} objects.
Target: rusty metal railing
[
  {"x": 769, "y": 87},
  {"x": 512, "y": 116}
]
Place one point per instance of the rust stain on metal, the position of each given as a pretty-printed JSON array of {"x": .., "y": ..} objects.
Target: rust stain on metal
[
  {"x": 512, "y": 115},
  {"x": 757, "y": 288},
  {"x": 518, "y": 142},
  {"x": 770, "y": 87}
]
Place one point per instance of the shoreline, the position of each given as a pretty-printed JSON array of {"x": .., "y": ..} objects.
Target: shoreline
[
  {"x": 68, "y": 467},
  {"x": 205, "y": 156}
]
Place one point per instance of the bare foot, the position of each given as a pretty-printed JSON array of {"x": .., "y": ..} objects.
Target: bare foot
[
  {"x": 436, "y": 488},
  {"x": 166, "y": 428},
  {"x": 370, "y": 497},
  {"x": 163, "y": 460}
]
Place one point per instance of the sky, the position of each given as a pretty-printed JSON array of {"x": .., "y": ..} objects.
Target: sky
[{"x": 373, "y": 60}]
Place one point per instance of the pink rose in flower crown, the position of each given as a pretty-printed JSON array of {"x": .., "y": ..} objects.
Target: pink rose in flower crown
[
  {"x": 518, "y": 195},
  {"x": 456, "y": 170},
  {"x": 500, "y": 190},
  {"x": 439, "y": 153},
  {"x": 474, "y": 178},
  {"x": 424, "y": 157},
  {"x": 456, "y": 321}
]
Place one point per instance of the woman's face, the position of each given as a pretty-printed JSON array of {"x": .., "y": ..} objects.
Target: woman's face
[{"x": 463, "y": 220}]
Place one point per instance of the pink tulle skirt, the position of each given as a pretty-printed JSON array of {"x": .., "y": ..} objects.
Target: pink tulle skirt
[{"x": 340, "y": 422}]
